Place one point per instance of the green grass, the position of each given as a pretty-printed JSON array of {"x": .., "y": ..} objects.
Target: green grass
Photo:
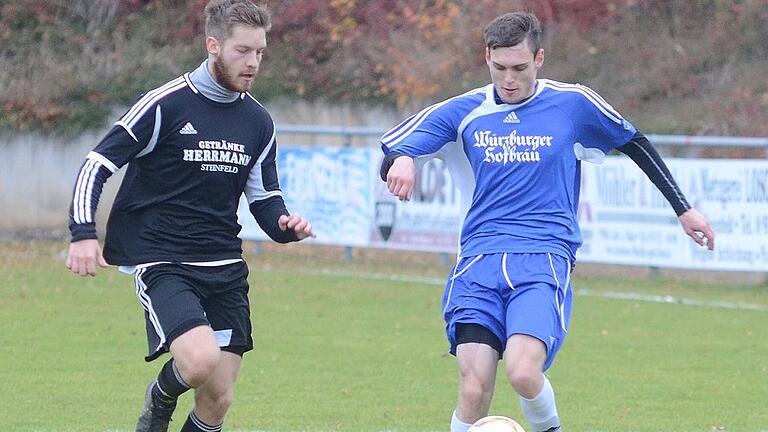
[{"x": 341, "y": 353}]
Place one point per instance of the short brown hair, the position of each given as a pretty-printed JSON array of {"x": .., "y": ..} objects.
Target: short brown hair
[
  {"x": 221, "y": 16},
  {"x": 512, "y": 29}
]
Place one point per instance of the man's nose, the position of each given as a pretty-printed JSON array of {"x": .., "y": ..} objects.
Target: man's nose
[{"x": 252, "y": 59}]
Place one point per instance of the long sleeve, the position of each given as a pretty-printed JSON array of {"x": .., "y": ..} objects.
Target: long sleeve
[
  {"x": 267, "y": 212},
  {"x": 90, "y": 181},
  {"x": 264, "y": 196},
  {"x": 644, "y": 154},
  {"x": 125, "y": 141}
]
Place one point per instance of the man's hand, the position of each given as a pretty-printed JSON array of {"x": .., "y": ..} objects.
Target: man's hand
[
  {"x": 697, "y": 228},
  {"x": 84, "y": 257},
  {"x": 401, "y": 178},
  {"x": 297, "y": 224}
]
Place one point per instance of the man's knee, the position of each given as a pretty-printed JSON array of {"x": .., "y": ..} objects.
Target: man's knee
[
  {"x": 197, "y": 354},
  {"x": 216, "y": 403},
  {"x": 475, "y": 389},
  {"x": 526, "y": 380},
  {"x": 199, "y": 365},
  {"x": 475, "y": 394},
  {"x": 524, "y": 364},
  {"x": 212, "y": 401}
]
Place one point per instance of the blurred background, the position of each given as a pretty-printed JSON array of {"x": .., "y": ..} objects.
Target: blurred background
[
  {"x": 671, "y": 66},
  {"x": 68, "y": 68}
]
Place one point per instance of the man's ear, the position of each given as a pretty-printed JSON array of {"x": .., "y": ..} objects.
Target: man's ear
[{"x": 212, "y": 46}]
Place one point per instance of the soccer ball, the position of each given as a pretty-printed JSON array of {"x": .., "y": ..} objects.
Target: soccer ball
[{"x": 496, "y": 424}]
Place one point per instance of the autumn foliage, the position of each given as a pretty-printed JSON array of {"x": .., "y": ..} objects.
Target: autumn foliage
[{"x": 673, "y": 66}]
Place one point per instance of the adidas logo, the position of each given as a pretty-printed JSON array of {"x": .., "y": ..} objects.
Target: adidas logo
[
  {"x": 511, "y": 118},
  {"x": 188, "y": 129}
]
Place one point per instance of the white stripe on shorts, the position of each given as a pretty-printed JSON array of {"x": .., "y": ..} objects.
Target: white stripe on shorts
[
  {"x": 455, "y": 275},
  {"x": 504, "y": 270},
  {"x": 560, "y": 303},
  {"x": 141, "y": 293}
]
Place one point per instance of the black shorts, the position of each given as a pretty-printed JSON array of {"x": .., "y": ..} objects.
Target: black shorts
[
  {"x": 179, "y": 297},
  {"x": 475, "y": 333}
]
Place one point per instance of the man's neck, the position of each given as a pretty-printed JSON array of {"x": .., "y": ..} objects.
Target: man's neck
[{"x": 202, "y": 79}]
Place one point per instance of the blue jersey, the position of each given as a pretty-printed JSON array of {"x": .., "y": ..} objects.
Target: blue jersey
[{"x": 516, "y": 165}]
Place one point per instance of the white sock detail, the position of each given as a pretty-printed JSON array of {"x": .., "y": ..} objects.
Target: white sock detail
[
  {"x": 202, "y": 425},
  {"x": 458, "y": 425},
  {"x": 541, "y": 411}
]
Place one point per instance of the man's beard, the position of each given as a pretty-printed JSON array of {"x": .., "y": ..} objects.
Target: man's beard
[{"x": 223, "y": 76}]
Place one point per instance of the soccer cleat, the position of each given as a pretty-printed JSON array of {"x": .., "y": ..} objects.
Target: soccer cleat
[{"x": 156, "y": 413}]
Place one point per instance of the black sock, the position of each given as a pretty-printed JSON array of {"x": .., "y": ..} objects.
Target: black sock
[
  {"x": 194, "y": 424},
  {"x": 170, "y": 384}
]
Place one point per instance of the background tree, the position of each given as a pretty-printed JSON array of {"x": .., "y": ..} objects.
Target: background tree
[{"x": 672, "y": 66}]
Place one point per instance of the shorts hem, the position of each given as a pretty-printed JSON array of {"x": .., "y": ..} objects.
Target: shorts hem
[{"x": 174, "y": 334}]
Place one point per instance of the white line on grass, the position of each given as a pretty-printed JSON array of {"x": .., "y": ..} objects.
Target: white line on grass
[
  {"x": 672, "y": 300},
  {"x": 664, "y": 299}
]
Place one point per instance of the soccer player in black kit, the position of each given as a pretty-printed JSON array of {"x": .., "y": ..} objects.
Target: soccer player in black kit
[{"x": 193, "y": 146}]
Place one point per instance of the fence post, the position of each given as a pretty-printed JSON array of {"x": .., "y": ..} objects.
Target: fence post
[
  {"x": 256, "y": 247},
  {"x": 445, "y": 260}
]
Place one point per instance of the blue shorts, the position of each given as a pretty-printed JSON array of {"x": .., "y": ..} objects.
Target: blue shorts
[{"x": 509, "y": 294}]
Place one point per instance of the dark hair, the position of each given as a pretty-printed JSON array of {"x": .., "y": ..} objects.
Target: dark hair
[
  {"x": 512, "y": 29},
  {"x": 221, "y": 16}
]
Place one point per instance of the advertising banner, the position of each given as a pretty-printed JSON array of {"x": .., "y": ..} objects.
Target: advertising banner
[
  {"x": 624, "y": 219},
  {"x": 331, "y": 187},
  {"x": 430, "y": 221}
]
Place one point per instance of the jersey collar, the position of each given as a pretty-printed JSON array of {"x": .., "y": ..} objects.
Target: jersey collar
[{"x": 491, "y": 95}]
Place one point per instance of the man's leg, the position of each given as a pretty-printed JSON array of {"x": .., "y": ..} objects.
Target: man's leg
[
  {"x": 473, "y": 311},
  {"x": 195, "y": 356},
  {"x": 525, "y": 357},
  {"x": 228, "y": 312},
  {"x": 477, "y": 376},
  {"x": 214, "y": 397}
]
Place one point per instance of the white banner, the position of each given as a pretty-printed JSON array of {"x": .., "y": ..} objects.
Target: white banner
[{"x": 623, "y": 217}]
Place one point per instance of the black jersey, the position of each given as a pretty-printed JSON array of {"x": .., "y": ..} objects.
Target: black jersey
[{"x": 189, "y": 161}]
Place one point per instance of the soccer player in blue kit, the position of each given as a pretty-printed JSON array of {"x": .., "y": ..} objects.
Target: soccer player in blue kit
[
  {"x": 514, "y": 149},
  {"x": 193, "y": 147}
]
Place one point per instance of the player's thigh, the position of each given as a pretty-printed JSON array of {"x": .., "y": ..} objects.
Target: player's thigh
[
  {"x": 477, "y": 362},
  {"x": 472, "y": 296},
  {"x": 539, "y": 305},
  {"x": 171, "y": 304}
]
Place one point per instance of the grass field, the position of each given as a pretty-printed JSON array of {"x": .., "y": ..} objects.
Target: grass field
[{"x": 340, "y": 347}]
